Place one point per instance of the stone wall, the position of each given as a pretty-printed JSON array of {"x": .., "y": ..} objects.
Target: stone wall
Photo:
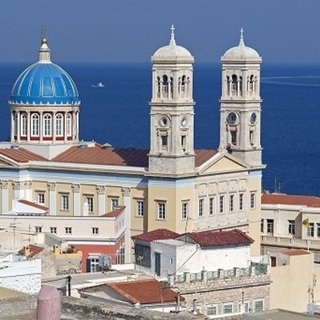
[
  {"x": 231, "y": 286},
  {"x": 24, "y": 276},
  {"x": 82, "y": 309}
]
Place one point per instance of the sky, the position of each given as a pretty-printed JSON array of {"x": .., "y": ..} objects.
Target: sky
[{"x": 282, "y": 31}]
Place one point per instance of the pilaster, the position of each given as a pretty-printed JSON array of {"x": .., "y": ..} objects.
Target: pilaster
[{"x": 126, "y": 192}]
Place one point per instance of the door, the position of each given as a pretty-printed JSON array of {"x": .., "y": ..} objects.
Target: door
[{"x": 157, "y": 263}]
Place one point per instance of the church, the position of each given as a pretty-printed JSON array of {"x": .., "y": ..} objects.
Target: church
[{"x": 96, "y": 197}]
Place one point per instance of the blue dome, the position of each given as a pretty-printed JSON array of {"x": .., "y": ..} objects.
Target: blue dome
[{"x": 44, "y": 83}]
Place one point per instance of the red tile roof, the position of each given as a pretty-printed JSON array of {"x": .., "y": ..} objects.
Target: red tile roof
[
  {"x": 101, "y": 155},
  {"x": 144, "y": 291},
  {"x": 21, "y": 155},
  {"x": 203, "y": 155},
  {"x": 116, "y": 212},
  {"x": 159, "y": 234},
  {"x": 34, "y": 250},
  {"x": 273, "y": 198},
  {"x": 295, "y": 252},
  {"x": 32, "y": 204},
  {"x": 214, "y": 238},
  {"x": 118, "y": 156}
]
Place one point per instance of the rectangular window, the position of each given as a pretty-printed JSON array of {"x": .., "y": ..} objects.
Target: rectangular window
[
  {"x": 200, "y": 207},
  {"x": 318, "y": 230},
  {"x": 95, "y": 230},
  {"x": 291, "y": 227},
  {"x": 68, "y": 230},
  {"x": 244, "y": 307},
  {"x": 270, "y": 224},
  {"x": 310, "y": 230},
  {"x": 183, "y": 141},
  {"x": 53, "y": 230},
  {"x": 142, "y": 255},
  {"x": 64, "y": 202},
  {"x": 184, "y": 210},
  {"x": 164, "y": 142},
  {"x": 227, "y": 308},
  {"x": 221, "y": 204},
  {"x": 89, "y": 200},
  {"x": 233, "y": 134},
  {"x": 252, "y": 200},
  {"x": 140, "y": 207},
  {"x": 211, "y": 310},
  {"x": 114, "y": 203},
  {"x": 211, "y": 205},
  {"x": 41, "y": 197},
  {"x": 258, "y": 305},
  {"x": 251, "y": 137},
  {"x": 262, "y": 226},
  {"x": 38, "y": 229},
  {"x": 231, "y": 203},
  {"x": 161, "y": 210},
  {"x": 241, "y": 197}
]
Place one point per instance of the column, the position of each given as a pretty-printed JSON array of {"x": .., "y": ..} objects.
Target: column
[
  {"x": 53, "y": 126},
  {"x": 127, "y": 222},
  {"x": 12, "y": 126},
  {"x": 28, "y": 191},
  {"x": 28, "y": 126},
  {"x": 101, "y": 200},
  {"x": 52, "y": 198},
  {"x": 41, "y": 126},
  {"x": 65, "y": 131},
  {"x": 18, "y": 127},
  {"x": 4, "y": 196},
  {"x": 76, "y": 200},
  {"x": 18, "y": 192}
]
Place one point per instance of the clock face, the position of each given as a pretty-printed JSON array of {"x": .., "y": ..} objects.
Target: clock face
[
  {"x": 184, "y": 121},
  {"x": 253, "y": 118},
  {"x": 231, "y": 118},
  {"x": 163, "y": 121}
]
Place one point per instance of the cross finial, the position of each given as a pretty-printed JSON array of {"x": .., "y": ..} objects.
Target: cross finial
[
  {"x": 241, "y": 43},
  {"x": 241, "y": 33},
  {"x": 172, "y": 41},
  {"x": 43, "y": 31}
]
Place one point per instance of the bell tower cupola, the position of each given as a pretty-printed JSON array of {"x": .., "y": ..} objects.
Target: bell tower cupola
[
  {"x": 172, "y": 111},
  {"x": 240, "y": 112}
]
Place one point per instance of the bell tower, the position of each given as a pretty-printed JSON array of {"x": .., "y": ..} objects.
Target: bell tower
[
  {"x": 240, "y": 112},
  {"x": 172, "y": 111}
]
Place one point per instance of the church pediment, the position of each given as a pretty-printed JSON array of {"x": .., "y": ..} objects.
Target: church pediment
[
  {"x": 7, "y": 162},
  {"x": 220, "y": 163}
]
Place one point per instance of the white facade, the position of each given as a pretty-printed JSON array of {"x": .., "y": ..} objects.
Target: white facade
[
  {"x": 74, "y": 230},
  {"x": 172, "y": 111},
  {"x": 20, "y": 275},
  {"x": 179, "y": 257},
  {"x": 240, "y": 113}
]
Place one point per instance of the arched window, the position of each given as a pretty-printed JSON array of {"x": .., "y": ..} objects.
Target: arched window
[
  {"x": 35, "y": 125},
  {"x": 165, "y": 86},
  {"x": 158, "y": 87},
  {"x": 234, "y": 86},
  {"x": 59, "y": 130},
  {"x": 183, "y": 84},
  {"x": 171, "y": 87},
  {"x": 251, "y": 83},
  {"x": 15, "y": 123},
  {"x": 228, "y": 85},
  {"x": 24, "y": 125},
  {"x": 69, "y": 124},
  {"x": 47, "y": 125}
]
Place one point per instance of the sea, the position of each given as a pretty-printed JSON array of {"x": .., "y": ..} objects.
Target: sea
[{"x": 118, "y": 114}]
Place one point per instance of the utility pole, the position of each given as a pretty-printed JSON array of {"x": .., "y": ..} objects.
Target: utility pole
[{"x": 69, "y": 285}]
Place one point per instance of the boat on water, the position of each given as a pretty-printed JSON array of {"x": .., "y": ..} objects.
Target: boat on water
[{"x": 98, "y": 85}]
